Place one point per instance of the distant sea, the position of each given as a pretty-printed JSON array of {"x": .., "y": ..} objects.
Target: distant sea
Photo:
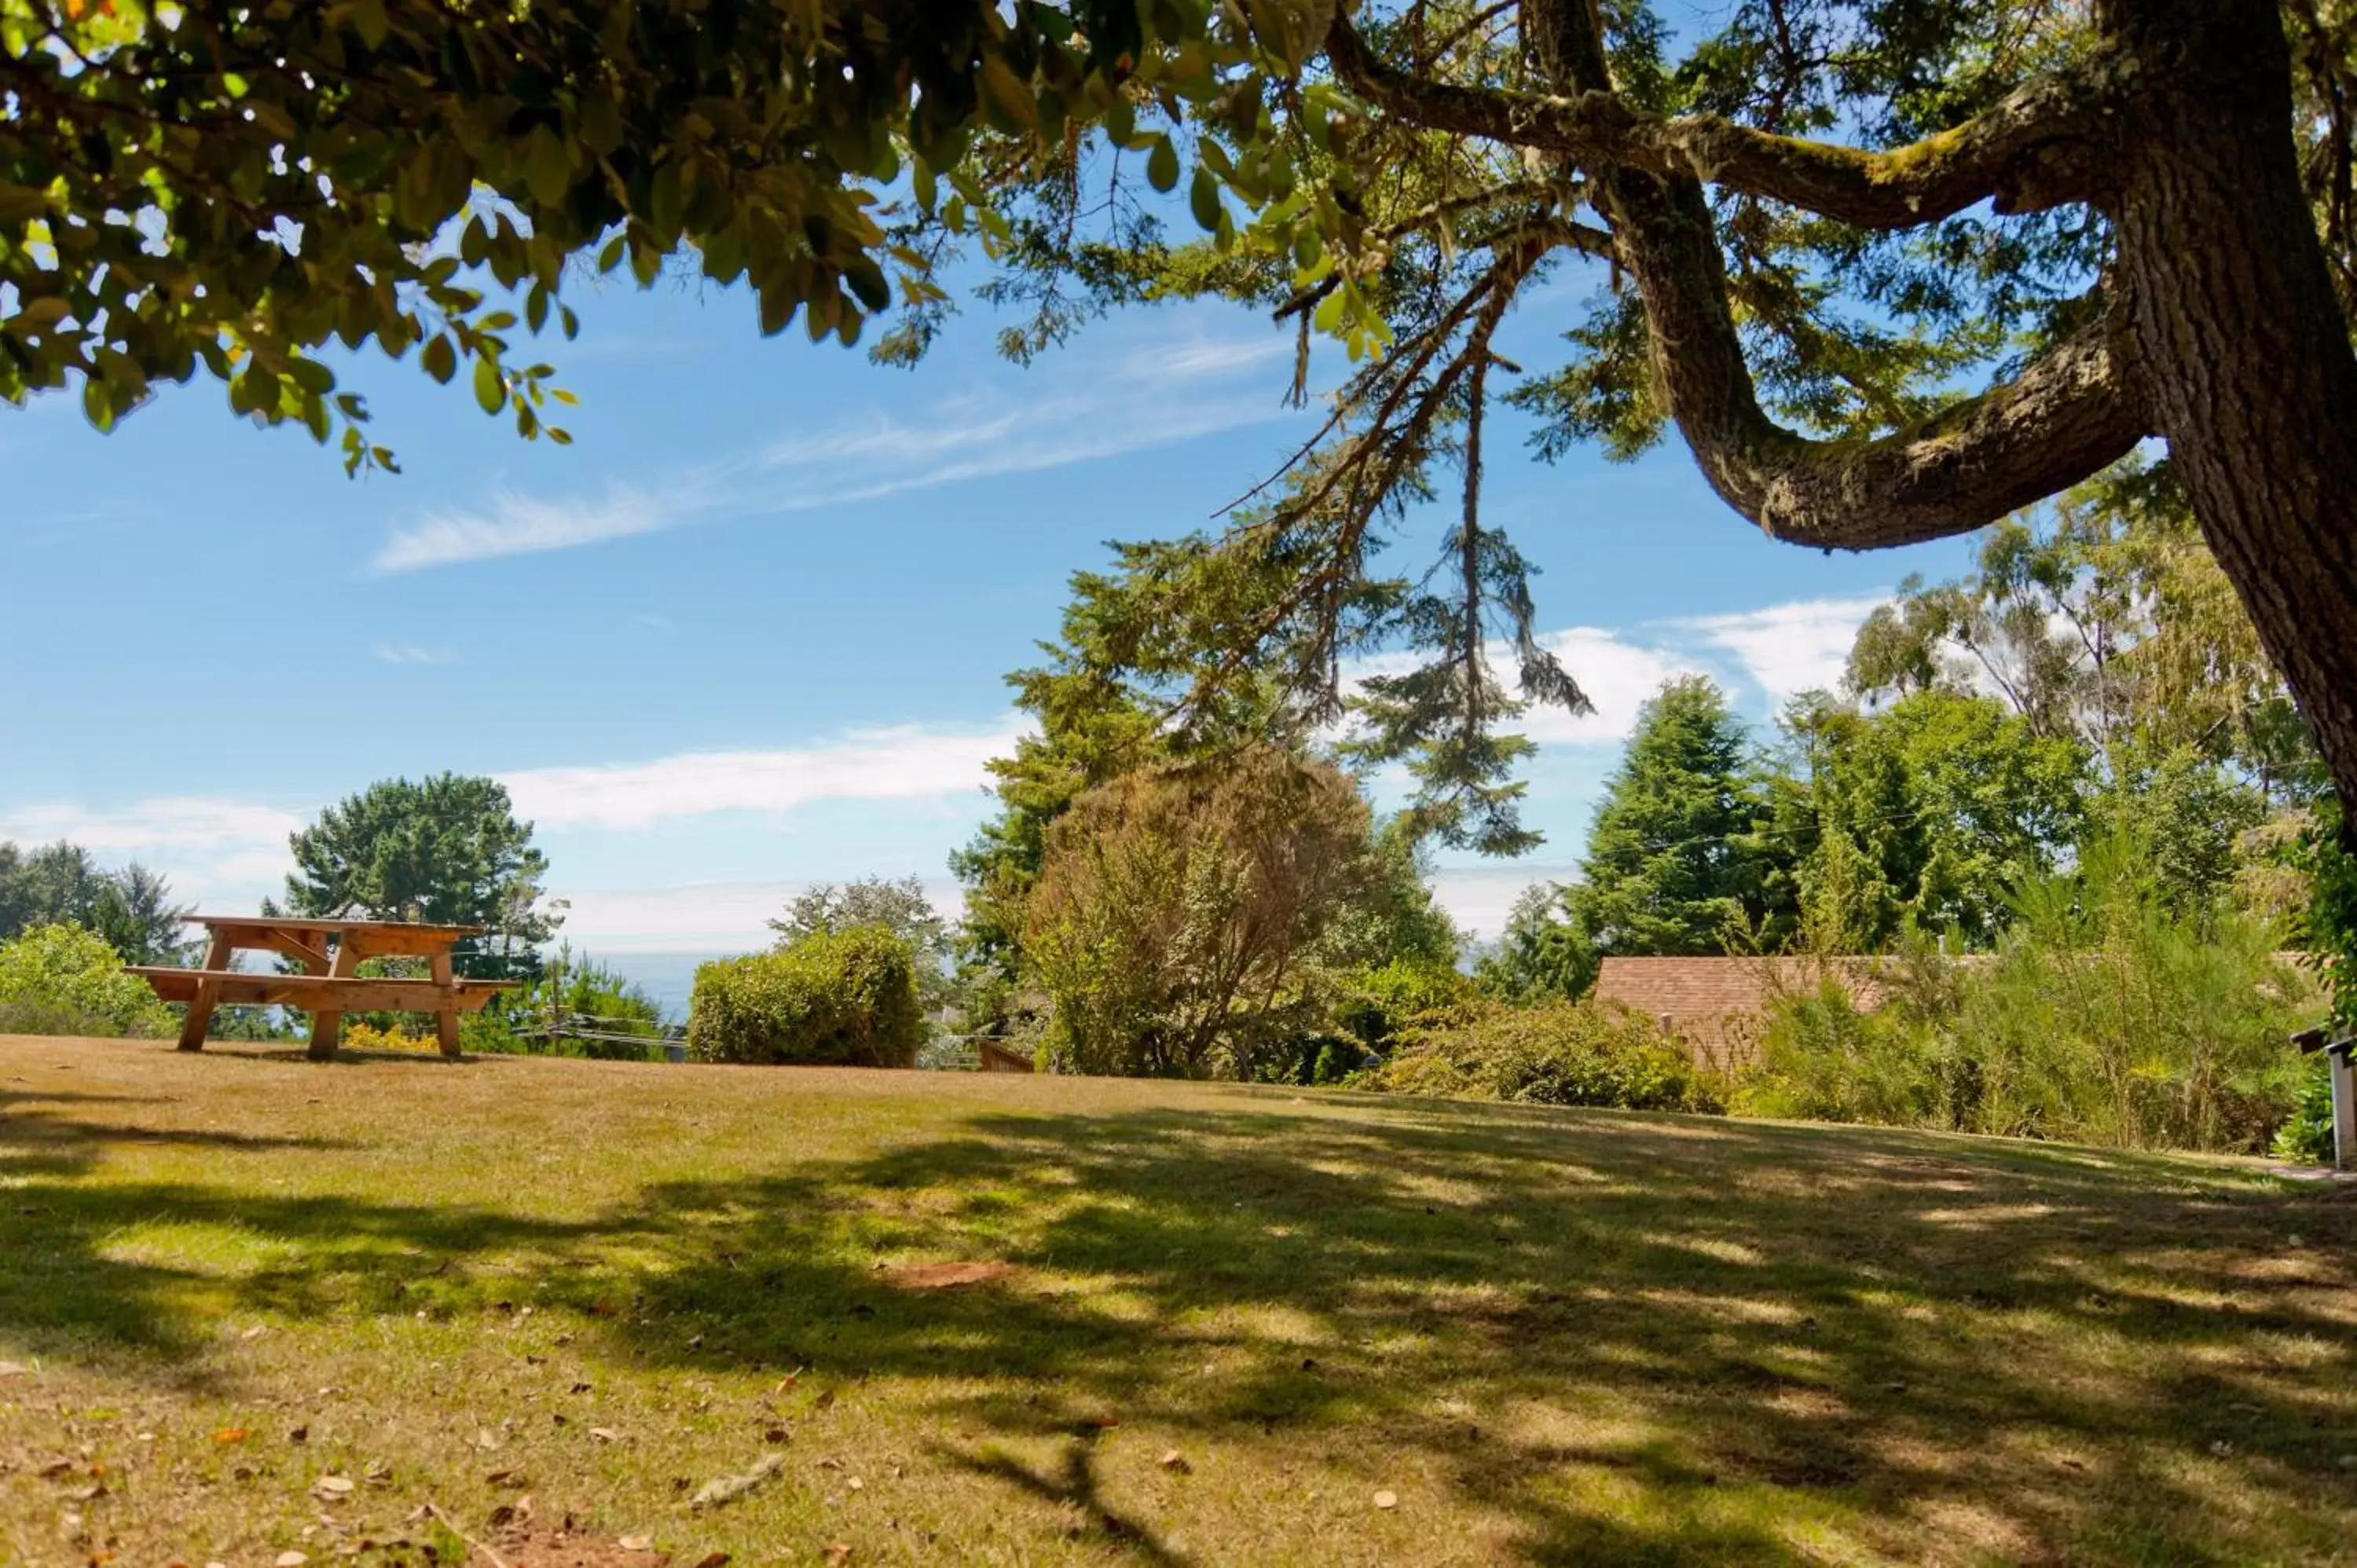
[{"x": 668, "y": 977}]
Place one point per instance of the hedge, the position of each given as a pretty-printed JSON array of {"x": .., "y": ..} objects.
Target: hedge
[
  {"x": 839, "y": 998},
  {"x": 1561, "y": 1053}
]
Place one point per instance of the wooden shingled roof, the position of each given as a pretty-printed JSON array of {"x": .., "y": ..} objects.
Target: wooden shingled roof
[{"x": 1716, "y": 1006}]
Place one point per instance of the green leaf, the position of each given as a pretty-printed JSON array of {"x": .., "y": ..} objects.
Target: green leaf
[
  {"x": 21, "y": 204},
  {"x": 1203, "y": 198},
  {"x": 369, "y": 20},
  {"x": 1162, "y": 165},
  {"x": 611, "y": 256},
  {"x": 490, "y": 390},
  {"x": 1007, "y": 92},
  {"x": 96, "y": 404},
  {"x": 600, "y": 124},
  {"x": 440, "y": 359},
  {"x": 547, "y": 168}
]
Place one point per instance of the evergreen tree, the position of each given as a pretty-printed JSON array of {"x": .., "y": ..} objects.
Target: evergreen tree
[
  {"x": 1542, "y": 955},
  {"x": 1947, "y": 801},
  {"x": 447, "y": 850},
  {"x": 1673, "y": 859}
]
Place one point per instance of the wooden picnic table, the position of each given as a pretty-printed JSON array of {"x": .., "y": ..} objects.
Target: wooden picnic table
[{"x": 331, "y": 952}]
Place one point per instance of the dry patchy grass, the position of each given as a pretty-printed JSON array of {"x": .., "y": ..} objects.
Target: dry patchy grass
[{"x": 1221, "y": 1322}]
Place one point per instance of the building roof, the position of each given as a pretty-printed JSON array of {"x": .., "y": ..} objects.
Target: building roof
[{"x": 1716, "y": 1006}]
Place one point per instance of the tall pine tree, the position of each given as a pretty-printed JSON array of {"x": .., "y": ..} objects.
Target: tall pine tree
[{"x": 1672, "y": 859}]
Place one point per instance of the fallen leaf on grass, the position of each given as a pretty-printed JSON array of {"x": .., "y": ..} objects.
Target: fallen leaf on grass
[
  {"x": 839, "y": 1554},
  {"x": 1387, "y": 1499},
  {"x": 636, "y": 1542},
  {"x": 1175, "y": 1462},
  {"x": 91, "y": 1493},
  {"x": 728, "y": 1488},
  {"x": 712, "y": 1559},
  {"x": 506, "y": 1478},
  {"x": 54, "y": 1468},
  {"x": 300, "y": 1434},
  {"x": 292, "y": 1560},
  {"x": 333, "y": 1486},
  {"x": 14, "y": 1370},
  {"x": 944, "y": 1276},
  {"x": 605, "y": 1435}
]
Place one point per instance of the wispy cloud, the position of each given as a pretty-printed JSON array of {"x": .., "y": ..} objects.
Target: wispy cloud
[
  {"x": 1789, "y": 648},
  {"x": 700, "y": 918},
  {"x": 512, "y": 523},
  {"x": 906, "y": 762},
  {"x": 213, "y": 848},
  {"x": 1203, "y": 357},
  {"x": 1075, "y": 411},
  {"x": 411, "y": 653}
]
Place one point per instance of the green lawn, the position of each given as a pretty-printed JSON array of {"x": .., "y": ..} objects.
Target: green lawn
[{"x": 527, "y": 1292}]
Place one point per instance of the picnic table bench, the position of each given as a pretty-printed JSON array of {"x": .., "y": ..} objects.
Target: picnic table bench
[{"x": 331, "y": 952}]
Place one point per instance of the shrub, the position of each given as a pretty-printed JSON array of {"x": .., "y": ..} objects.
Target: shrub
[
  {"x": 2115, "y": 1011},
  {"x": 1583, "y": 1053},
  {"x": 1381, "y": 1004},
  {"x": 1823, "y": 1058},
  {"x": 846, "y": 998},
  {"x": 64, "y": 980},
  {"x": 366, "y": 1036},
  {"x": 1186, "y": 919},
  {"x": 2308, "y": 1136}
]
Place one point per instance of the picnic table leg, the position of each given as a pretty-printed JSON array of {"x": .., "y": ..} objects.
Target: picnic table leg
[
  {"x": 445, "y": 1018},
  {"x": 200, "y": 1007},
  {"x": 327, "y": 1027}
]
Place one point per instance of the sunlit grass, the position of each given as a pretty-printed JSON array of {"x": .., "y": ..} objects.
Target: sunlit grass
[{"x": 1545, "y": 1337}]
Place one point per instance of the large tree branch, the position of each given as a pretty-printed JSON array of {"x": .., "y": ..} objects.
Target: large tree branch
[
  {"x": 2075, "y": 409},
  {"x": 2035, "y": 148}
]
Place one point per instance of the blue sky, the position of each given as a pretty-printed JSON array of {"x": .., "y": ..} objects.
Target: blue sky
[{"x": 748, "y": 631}]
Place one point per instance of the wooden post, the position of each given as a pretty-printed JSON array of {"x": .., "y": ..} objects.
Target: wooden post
[
  {"x": 446, "y": 1017},
  {"x": 201, "y": 1010},
  {"x": 327, "y": 1027},
  {"x": 2345, "y": 1104}
]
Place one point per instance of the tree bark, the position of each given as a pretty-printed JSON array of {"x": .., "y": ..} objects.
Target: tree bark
[{"x": 2245, "y": 353}]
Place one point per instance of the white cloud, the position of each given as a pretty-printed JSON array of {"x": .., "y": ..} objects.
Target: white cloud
[
  {"x": 1789, "y": 648},
  {"x": 515, "y": 524},
  {"x": 1619, "y": 676},
  {"x": 169, "y": 823},
  {"x": 704, "y": 917},
  {"x": 1075, "y": 412},
  {"x": 214, "y": 851},
  {"x": 1206, "y": 357},
  {"x": 410, "y": 653},
  {"x": 1478, "y": 898},
  {"x": 906, "y": 762}
]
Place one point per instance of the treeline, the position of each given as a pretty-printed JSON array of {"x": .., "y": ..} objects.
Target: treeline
[{"x": 2065, "y": 796}]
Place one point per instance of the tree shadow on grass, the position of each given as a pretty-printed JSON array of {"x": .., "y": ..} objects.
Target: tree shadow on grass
[
  {"x": 2037, "y": 1352},
  {"x": 1622, "y": 1339},
  {"x": 79, "y": 1277}
]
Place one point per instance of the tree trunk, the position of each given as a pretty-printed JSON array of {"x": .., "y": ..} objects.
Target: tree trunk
[{"x": 2244, "y": 352}]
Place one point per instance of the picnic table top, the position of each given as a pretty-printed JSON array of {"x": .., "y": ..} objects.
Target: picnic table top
[{"x": 289, "y": 923}]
